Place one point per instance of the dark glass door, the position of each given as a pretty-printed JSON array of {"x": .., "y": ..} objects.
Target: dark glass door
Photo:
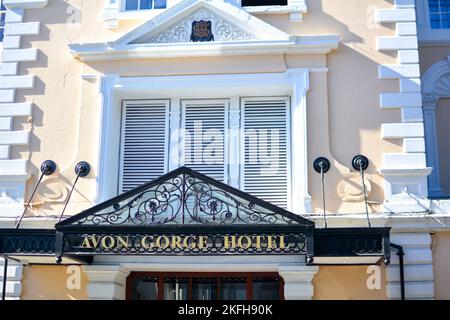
[{"x": 204, "y": 286}]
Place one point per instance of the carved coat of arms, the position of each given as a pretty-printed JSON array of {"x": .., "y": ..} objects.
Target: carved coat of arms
[{"x": 202, "y": 31}]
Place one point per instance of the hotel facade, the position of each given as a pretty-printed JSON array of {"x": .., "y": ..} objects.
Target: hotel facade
[{"x": 225, "y": 149}]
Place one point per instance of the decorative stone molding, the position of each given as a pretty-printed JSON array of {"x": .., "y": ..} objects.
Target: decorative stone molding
[
  {"x": 350, "y": 189},
  {"x": 405, "y": 173},
  {"x": 106, "y": 282},
  {"x": 436, "y": 85},
  {"x": 13, "y": 280},
  {"x": 222, "y": 30},
  {"x": 298, "y": 281},
  {"x": 14, "y": 172},
  {"x": 113, "y": 12},
  {"x": 418, "y": 270}
]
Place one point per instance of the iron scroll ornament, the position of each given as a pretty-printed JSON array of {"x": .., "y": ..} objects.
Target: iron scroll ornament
[
  {"x": 184, "y": 200},
  {"x": 201, "y": 31}
]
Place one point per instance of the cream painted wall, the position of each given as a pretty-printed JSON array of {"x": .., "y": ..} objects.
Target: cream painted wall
[
  {"x": 441, "y": 264},
  {"x": 342, "y": 121},
  {"x": 346, "y": 283},
  {"x": 36, "y": 280}
]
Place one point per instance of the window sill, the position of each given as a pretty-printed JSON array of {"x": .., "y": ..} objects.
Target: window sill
[{"x": 431, "y": 37}]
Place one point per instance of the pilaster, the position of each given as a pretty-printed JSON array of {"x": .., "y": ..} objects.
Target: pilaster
[
  {"x": 106, "y": 282},
  {"x": 405, "y": 173},
  {"x": 14, "y": 172},
  {"x": 298, "y": 281}
]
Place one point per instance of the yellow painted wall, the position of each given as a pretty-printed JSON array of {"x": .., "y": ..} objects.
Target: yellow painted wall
[
  {"x": 342, "y": 121},
  {"x": 43, "y": 282},
  {"x": 346, "y": 283},
  {"x": 441, "y": 265}
]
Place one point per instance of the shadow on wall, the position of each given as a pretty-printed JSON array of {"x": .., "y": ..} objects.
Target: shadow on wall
[{"x": 355, "y": 116}]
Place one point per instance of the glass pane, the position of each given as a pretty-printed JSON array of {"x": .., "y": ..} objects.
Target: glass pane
[
  {"x": 204, "y": 288},
  {"x": 266, "y": 288},
  {"x": 144, "y": 288},
  {"x": 131, "y": 4},
  {"x": 160, "y": 4},
  {"x": 2, "y": 19},
  {"x": 264, "y": 2},
  {"x": 445, "y": 20},
  {"x": 445, "y": 5},
  {"x": 233, "y": 289},
  {"x": 145, "y": 4},
  {"x": 435, "y": 21},
  {"x": 176, "y": 289},
  {"x": 433, "y": 5},
  {"x": 1, "y": 34}
]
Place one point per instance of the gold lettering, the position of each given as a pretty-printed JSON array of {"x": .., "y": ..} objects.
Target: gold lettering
[
  {"x": 227, "y": 244},
  {"x": 122, "y": 241},
  {"x": 166, "y": 242},
  {"x": 144, "y": 242},
  {"x": 248, "y": 242},
  {"x": 86, "y": 243},
  {"x": 282, "y": 243},
  {"x": 271, "y": 243},
  {"x": 187, "y": 244},
  {"x": 258, "y": 241},
  {"x": 111, "y": 241},
  {"x": 202, "y": 242},
  {"x": 176, "y": 242}
]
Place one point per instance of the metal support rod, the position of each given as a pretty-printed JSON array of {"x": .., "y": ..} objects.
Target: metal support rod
[
  {"x": 5, "y": 276},
  {"x": 322, "y": 178},
  {"x": 322, "y": 165},
  {"x": 365, "y": 194},
  {"x": 82, "y": 169},
  {"x": 68, "y": 198},
  {"x": 400, "y": 254},
  {"x": 48, "y": 167},
  {"x": 29, "y": 201}
]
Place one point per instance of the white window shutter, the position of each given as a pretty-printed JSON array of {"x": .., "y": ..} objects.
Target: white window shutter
[
  {"x": 266, "y": 149},
  {"x": 204, "y": 125},
  {"x": 144, "y": 142}
]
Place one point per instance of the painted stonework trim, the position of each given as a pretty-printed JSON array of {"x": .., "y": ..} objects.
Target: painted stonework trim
[
  {"x": 436, "y": 85},
  {"x": 113, "y": 12},
  {"x": 405, "y": 173},
  {"x": 294, "y": 82},
  {"x": 14, "y": 172},
  {"x": 418, "y": 261},
  {"x": 13, "y": 280},
  {"x": 24, "y": 4}
]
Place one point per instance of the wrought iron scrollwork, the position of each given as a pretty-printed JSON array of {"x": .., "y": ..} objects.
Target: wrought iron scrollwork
[{"x": 184, "y": 199}]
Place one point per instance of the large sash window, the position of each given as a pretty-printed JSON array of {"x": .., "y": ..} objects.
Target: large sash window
[{"x": 250, "y": 139}]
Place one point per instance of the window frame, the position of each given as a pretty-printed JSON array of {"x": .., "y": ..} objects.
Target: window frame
[
  {"x": 124, "y": 2},
  {"x": 2, "y": 12},
  {"x": 425, "y": 33},
  {"x": 190, "y": 275}
]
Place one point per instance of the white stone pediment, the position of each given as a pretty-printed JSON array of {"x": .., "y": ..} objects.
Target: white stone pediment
[
  {"x": 234, "y": 31},
  {"x": 228, "y": 23},
  {"x": 222, "y": 30}
]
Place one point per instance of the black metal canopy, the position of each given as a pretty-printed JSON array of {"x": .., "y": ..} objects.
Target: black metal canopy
[{"x": 187, "y": 213}]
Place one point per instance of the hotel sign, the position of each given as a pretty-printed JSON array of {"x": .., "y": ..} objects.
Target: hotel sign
[{"x": 262, "y": 243}]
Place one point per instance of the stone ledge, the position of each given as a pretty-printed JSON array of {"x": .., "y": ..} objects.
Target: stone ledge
[{"x": 25, "y": 4}]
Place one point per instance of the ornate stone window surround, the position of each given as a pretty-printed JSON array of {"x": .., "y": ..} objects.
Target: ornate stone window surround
[
  {"x": 114, "y": 11},
  {"x": 436, "y": 85},
  {"x": 114, "y": 89},
  {"x": 425, "y": 33}
]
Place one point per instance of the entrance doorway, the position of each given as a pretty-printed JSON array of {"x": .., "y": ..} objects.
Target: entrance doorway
[{"x": 204, "y": 286}]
